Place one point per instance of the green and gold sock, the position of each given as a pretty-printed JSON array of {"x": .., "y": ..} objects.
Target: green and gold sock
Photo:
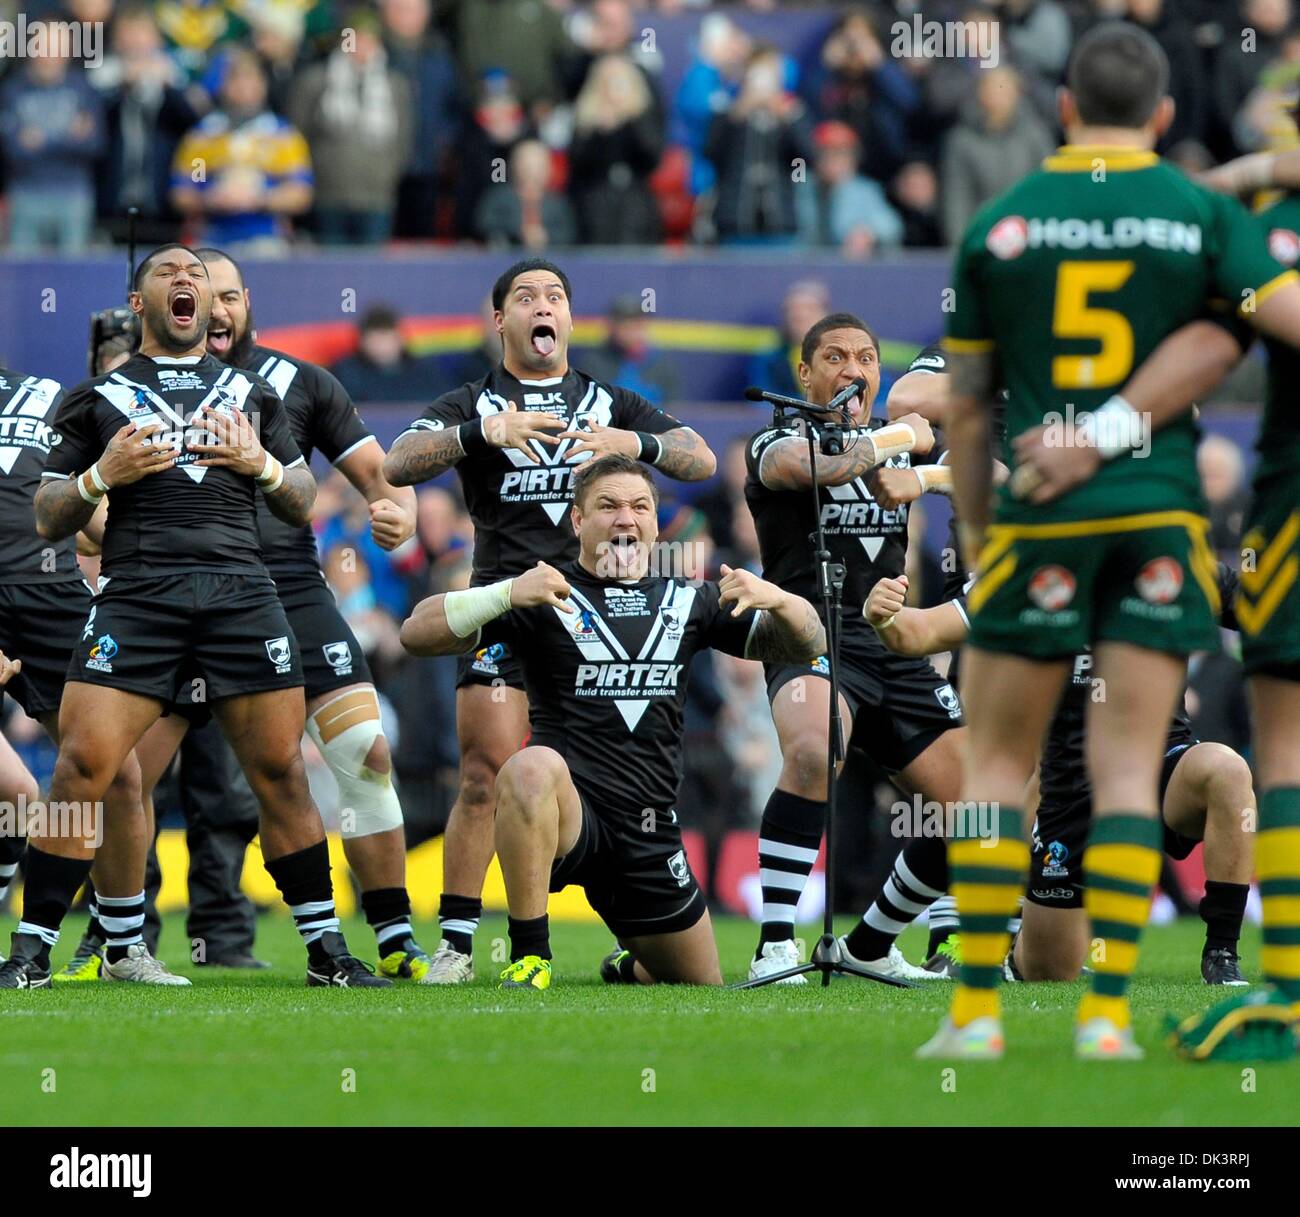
[
  {"x": 1277, "y": 863},
  {"x": 1122, "y": 864},
  {"x": 988, "y": 879}
]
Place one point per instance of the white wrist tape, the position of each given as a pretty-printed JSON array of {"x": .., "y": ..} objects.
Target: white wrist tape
[
  {"x": 1116, "y": 428},
  {"x": 272, "y": 476},
  {"x": 100, "y": 484},
  {"x": 89, "y": 495},
  {"x": 892, "y": 440},
  {"x": 884, "y": 625},
  {"x": 936, "y": 479},
  {"x": 473, "y": 608}
]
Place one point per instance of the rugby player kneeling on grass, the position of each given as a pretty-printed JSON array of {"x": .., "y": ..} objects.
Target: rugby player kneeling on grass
[
  {"x": 606, "y": 648},
  {"x": 1205, "y": 793}
]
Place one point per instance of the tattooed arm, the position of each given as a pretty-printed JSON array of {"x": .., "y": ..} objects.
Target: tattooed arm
[
  {"x": 292, "y": 500},
  {"x": 420, "y": 455},
  {"x": 60, "y": 509},
  {"x": 785, "y": 464},
  {"x": 684, "y": 455},
  {"x": 786, "y": 627}
]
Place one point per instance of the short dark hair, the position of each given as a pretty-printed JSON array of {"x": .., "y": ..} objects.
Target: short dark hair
[
  {"x": 590, "y": 472},
  {"x": 379, "y": 317},
  {"x": 208, "y": 254},
  {"x": 1117, "y": 74},
  {"x": 834, "y": 321},
  {"x": 501, "y": 288},
  {"x": 143, "y": 265}
]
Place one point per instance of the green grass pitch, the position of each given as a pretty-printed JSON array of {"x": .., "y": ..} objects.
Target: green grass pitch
[{"x": 239, "y": 1049}]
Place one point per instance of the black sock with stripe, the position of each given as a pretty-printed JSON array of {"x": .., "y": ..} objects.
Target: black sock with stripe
[{"x": 788, "y": 841}]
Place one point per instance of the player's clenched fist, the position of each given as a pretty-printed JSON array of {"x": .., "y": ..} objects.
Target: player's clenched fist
[
  {"x": 389, "y": 524},
  {"x": 131, "y": 454},
  {"x": 513, "y": 428},
  {"x": 9, "y": 668},
  {"x": 747, "y": 591},
  {"x": 541, "y": 585},
  {"x": 893, "y": 487},
  {"x": 921, "y": 428},
  {"x": 885, "y": 600}
]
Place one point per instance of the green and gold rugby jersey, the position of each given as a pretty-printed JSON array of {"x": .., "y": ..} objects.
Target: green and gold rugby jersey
[
  {"x": 1279, "y": 436},
  {"x": 1072, "y": 278}
]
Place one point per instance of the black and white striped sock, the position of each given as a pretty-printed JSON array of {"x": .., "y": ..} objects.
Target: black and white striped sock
[
  {"x": 917, "y": 880},
  {"x": 943, "y": 922},
  {"x": 458, "y": 918},
  {"x": 123, "y": 920},
  {"x": 789, "y": 838},
  {"x": 388, "y": 913},
  {"x": 7, "y": 872},
  {"x": 304, "y": 882}
]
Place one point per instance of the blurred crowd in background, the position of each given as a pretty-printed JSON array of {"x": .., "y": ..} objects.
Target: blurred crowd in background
[
  {"x": 268, "y": 125},
  {"x": 257, "y": 124}
]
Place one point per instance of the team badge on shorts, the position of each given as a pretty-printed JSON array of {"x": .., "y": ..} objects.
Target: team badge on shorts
[
  {"x": 487, "y": 659},
  {"x": 1159, "y": 581},
  {"x": 280, "y": 653},
  {"x": 101, "y": 654},
  {"x": 821, "y": 665},
  {"x": 1054, "y": 863},
  {"x": 949, "y": 700},
  {"x": 1052, "y": 588},
  {"x": 679, "y": 868},
  {"x": 339, "y": 657}
]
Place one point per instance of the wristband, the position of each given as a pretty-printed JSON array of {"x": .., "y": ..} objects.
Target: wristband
[
  {"x": 469, "y": 611},
  {"x": 272, "y": 476},
  {"x": 936, "y": 479},
  {"x": 471, "y": 437},
  {"x": 884, "y": 625},
  {"x": 1116, "y": 428},
  {"x": 100, "y": 484},
  {"x": 892, "y": 440},
  {"x": 88, "y": 495},
  {"x": 649, "y": 443}
]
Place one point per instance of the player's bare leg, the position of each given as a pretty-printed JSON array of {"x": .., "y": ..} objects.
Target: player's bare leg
[
  {"x": 919, "y": 875},
  {"x": 491, "y": 723},
  {"x": 689, "y": 957},
  {"x": 265, "y": 731},
  {"x": 538, "y": 819},
  {"x": 1009, "y": 702},
  {"x": 17, "y": 786},
  {"x": 1275, "y": 707},
  {"x": 98, "y": 779},
  {"x": 1211, "y": 798},
  {"x": 1127, "y": 727},
  {"x": 794, "y": 818},
  {"x": 346, "y": 727}
]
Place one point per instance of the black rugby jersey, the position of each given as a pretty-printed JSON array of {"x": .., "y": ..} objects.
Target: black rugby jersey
[
  {"x": 521, "y": 509},
  {"x": 606, "y": 683},
  {"x": 870, "y": 540},
  {"x": 186, "y": 518},
  {"x": 322, "y": 418},
  {"x": 28, "y": 405}
]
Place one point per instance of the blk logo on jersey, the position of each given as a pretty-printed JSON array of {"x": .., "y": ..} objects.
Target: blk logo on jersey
[
  {"x": 339, "y": 657},
  {"x": 280, "y": 653}
]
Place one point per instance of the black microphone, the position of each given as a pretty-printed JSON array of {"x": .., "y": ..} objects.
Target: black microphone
[{"x": 836, "y": 403}]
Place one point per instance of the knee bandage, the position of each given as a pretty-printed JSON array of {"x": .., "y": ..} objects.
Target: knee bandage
[{"x": 345, "y": 730}]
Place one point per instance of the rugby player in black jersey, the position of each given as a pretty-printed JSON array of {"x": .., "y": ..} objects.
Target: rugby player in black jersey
[
  {"x": 1205, "y": 795},
  {"x": 342, "y": 706},
  {"x": 606, "y": 649},
  {"x": 43, "y": 605},
  {"x": 899, "y": 711},
  {"x": 186, "y": 445},
  {"x": 514, "y": 438}
]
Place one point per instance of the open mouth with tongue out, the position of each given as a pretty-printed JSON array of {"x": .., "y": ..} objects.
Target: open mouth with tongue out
[
  {"x": 543, "y": 339},
  {"x": 220, "y": 339},
  {"x": 184, "y": 305}
]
